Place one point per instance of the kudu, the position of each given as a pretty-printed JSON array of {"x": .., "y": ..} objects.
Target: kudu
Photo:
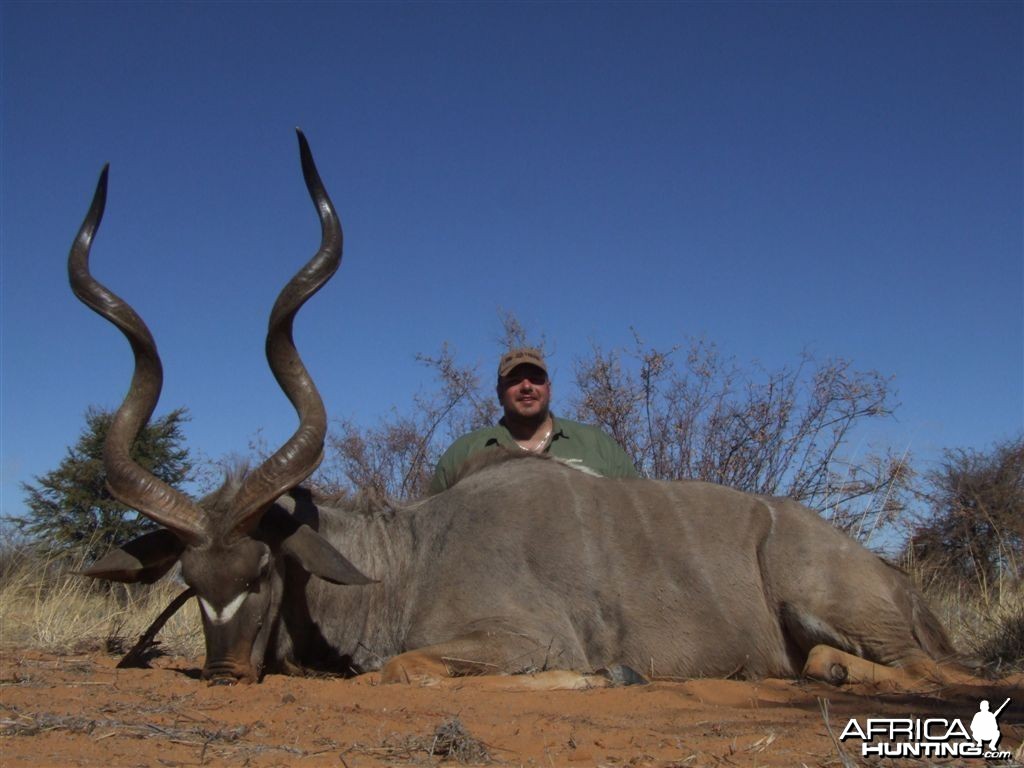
[{"x": 523, "y": 565}]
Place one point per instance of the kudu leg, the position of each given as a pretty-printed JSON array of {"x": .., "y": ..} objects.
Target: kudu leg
[
  {"x": 915, "y": 674},
  {"x": 486, "y": 654}
]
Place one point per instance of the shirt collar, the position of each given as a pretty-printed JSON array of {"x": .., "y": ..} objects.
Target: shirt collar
[{"x": 505, "y": 437}]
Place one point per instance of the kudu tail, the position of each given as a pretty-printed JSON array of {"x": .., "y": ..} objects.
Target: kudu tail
[
  {"x": 931, "y": 636},
  {"x": 928, "y": 631}
]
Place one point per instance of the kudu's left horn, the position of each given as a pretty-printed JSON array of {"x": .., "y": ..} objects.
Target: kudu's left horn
[{"x": 301, "y": 454}]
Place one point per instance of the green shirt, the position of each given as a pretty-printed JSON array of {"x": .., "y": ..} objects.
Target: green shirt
[{"x": 571, "y": 442}]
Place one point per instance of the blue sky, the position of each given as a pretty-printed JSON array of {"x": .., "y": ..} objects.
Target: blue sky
[{"x": 839, "y": 177}]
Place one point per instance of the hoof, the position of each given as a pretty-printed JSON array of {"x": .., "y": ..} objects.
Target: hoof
[
  {"x": 837, "y": 674},
  {"x": 620, "y": 674}
]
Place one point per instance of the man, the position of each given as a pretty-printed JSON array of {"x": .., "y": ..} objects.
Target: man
[
  {"x": 984, "y": 726},
  {"x": 524, "y": 391}
]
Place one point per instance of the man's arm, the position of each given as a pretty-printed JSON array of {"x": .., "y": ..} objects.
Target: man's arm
[
  {"x": 444, "y": 473},
  {"x": 619, "y": 462},
  {"x": 597, "y": 450},
  {"x": 451, "y": 460}
]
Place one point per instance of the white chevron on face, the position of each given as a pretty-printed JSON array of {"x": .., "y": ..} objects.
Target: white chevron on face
[{"x": 223, "y": 616}]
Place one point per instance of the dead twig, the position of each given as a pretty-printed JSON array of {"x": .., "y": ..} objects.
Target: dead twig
[
  {"x": 137, "y": 656},
  {"x": 847, "y": 761}
]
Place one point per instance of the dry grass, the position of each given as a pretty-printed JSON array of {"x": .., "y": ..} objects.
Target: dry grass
[
  {"x": 449, "y": 741},
  {"x": 44, "y": 604}
]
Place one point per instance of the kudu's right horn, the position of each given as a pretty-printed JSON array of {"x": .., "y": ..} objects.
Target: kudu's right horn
[
  {"x": 289, "y": 465},
  {"x": 130, "y": 483}
]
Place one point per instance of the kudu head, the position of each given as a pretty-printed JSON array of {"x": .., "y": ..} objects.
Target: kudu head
[{"x": 233, "y": 544}]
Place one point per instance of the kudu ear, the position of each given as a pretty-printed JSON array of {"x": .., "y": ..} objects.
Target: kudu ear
[
  {"x": 317, "y": 556},
  {"x": 144, "y": 559}
]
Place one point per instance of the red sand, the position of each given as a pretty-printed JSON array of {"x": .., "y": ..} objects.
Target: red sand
[{"x": 81, "y": 710}]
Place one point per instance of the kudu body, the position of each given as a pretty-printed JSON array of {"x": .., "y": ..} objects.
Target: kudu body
[{"x": 523, "y": 565}]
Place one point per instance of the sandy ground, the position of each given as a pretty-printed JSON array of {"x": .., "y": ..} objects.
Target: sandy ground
[{"x": 82, "y": 711}]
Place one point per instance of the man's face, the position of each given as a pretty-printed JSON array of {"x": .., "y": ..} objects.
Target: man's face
[{"x": 525, "y": 392}]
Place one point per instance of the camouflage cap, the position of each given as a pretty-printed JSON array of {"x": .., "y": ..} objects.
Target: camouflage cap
[{"x": 521, "y": 356}]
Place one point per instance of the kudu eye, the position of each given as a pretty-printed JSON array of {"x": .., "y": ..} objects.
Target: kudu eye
[
  {"x": 265, "y": 561},
  {"x": 253, "y": 584}
]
